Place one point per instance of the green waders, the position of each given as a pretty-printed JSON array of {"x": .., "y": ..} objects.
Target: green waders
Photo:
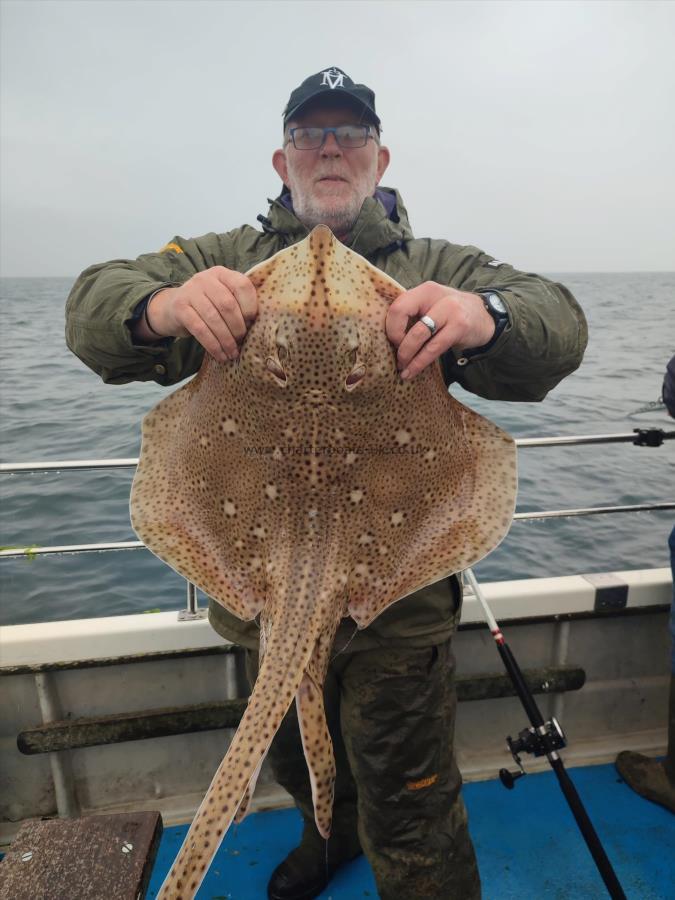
[{"x": 391, "y": 714}]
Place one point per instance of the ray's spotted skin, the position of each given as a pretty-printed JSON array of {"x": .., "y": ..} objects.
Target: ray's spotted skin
[{"x": 307, "y": 482}]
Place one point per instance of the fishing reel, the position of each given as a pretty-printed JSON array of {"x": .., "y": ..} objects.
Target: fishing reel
[
  {"x": 541, "y": 741},
  {"x": 649, "y": 437}
]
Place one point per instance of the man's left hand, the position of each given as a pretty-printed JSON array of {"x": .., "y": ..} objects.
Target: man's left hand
[{"x": 462, "y": 322}]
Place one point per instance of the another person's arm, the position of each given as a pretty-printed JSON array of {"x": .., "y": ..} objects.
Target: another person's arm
[{"x": 668, "y": 389}]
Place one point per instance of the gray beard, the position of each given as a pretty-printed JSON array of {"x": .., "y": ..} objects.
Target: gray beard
[{"x": 340, "y": 221}]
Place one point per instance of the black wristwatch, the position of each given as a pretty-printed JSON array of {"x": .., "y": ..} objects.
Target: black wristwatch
[{"x": 497, "y": 308}]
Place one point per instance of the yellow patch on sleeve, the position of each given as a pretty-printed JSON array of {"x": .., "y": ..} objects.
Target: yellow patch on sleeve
[
  {"x": 171, "y": 246},
  {"x": 422, "y": 783}
]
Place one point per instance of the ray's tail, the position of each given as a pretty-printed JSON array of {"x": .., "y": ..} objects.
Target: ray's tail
[
  {"x": 290, "y": 647},
  {"x": 318, "y": 748}
]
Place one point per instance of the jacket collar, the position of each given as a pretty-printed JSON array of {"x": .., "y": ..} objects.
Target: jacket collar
[{"x": 373, "y": 230}]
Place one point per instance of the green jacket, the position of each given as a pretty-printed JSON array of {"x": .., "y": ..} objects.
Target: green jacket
[{"x": 544, "y": 343}]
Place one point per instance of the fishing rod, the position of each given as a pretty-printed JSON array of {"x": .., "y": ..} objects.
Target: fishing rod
[{"x": 545, "y": 739}]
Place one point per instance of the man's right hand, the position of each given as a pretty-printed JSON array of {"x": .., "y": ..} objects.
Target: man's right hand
[{"x": 216, "y": 306}]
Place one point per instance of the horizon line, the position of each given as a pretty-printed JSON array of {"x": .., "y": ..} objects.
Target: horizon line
[{"x": 544, "y": 271}]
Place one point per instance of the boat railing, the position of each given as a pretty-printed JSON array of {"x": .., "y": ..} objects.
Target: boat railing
[{"x": 643, "y": 437}]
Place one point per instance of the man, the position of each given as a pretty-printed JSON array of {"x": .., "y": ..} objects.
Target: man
[
  {"x": 655, "y": 779},
  {"x": 503, "y": 334}
]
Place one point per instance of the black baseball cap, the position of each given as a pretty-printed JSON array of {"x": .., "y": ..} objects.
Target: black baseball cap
[{"x": 332, "y": 83}]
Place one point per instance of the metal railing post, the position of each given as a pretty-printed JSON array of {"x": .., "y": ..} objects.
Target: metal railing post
[
  {"x": 60, "y": 763},
  {"x": 192, "y": 610}
]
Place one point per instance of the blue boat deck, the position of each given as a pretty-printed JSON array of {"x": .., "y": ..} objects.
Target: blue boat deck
[{"x": 527, "y": 843}]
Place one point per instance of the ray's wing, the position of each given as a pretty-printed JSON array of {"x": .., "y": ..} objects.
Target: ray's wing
[
  {"x": 440, "y": 503},
  {"x": 444, "y": 497},
  {"x": 197, "y": 496}
]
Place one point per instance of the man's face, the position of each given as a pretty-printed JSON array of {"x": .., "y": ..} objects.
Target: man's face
[{"x": 329, "y": 185}]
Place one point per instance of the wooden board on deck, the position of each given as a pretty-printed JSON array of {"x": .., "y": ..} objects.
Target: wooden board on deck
[{"x": 82, "y": 859}]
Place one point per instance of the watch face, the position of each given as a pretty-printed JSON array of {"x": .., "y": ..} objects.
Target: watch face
[{"x": 496, "y": 302}]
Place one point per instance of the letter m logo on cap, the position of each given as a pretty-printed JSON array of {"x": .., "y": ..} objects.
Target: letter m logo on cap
[{"x": 333, "y": 78}]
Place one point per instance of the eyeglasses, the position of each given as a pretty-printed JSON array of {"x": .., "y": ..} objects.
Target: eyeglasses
[{"x": 349, "y": 137}]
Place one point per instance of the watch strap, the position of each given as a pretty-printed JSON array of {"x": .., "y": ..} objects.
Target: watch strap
[{"x": 500, "y": 320}]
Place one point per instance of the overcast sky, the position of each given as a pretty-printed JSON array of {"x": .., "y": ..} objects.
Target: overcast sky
[{"x": 542, "y": 132}]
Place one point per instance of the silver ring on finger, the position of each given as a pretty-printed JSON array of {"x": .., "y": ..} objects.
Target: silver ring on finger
[{"x": 429, "y": 322}]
